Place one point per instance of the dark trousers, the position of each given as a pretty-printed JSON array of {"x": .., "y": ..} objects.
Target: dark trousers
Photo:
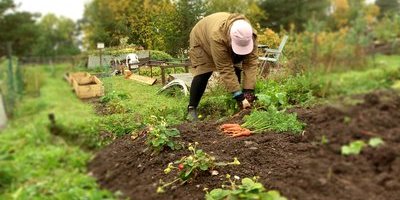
[{"x": 199, "y": 85}]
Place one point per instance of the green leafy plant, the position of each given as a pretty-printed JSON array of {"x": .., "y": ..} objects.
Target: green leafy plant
[
  {"x": 189, "y": 166},
  {"x": 272, "y": 101},
  {"x": 249, "y": 189},
  {"x": 217, "y": 105},
  {"x": 347, "y": 120},
  {"x": 375, "y": 142},
  {"x": 324, "y": 140},
  {"x": 272, "y": 120},
  {"x": 354, "y": 148},
  {"x": 159, "y": 135}
]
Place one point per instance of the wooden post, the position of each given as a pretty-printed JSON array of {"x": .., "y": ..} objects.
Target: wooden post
[
  {"x": 162, "y": 75},
  {"x": 3, "y": 116},
  {"x": 186, "y": 69},
  {"x": 151, "y": 71}
]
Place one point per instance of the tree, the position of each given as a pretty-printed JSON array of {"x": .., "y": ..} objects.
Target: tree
[
  {"x": 21, "y": 31},
  {"x": 288, "y": 12},
  {"x": 17, "y": 27},
  {"x": 188, "y": 12},
  {"x": 250, "y": 8},
  {"x": 5, "y": 5},
  {"x": 57, "y": 37},
  {"x": 388, "y": 7}
]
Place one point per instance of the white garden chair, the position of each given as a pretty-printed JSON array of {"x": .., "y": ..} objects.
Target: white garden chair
[{"x": 271, "y": 55}]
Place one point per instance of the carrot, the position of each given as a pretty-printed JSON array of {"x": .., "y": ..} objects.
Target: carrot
[
  {"x": 243, "y": 133},
  {"x": 224, "y": 126},
  {"x": 233, "y": 129}
]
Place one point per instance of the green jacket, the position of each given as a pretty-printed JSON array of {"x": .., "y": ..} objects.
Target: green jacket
[{"x": 210, "y": 50}]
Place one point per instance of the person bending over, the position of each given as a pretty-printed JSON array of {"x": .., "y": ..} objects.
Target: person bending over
[{"x": 223, "y": 42}]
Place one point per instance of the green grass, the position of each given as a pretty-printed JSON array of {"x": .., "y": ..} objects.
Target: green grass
[
  {"x": 141, "y": 101},
  {"x": 34, "y": 164},
  {"x": 382, "y": 75},
  {"x": 311, "y": 87}
]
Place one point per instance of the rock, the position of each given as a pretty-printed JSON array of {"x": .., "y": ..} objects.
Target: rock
[
  {"x": 249, "y": 143},
  {"x": 214, "y": 173},
  {"x": 323, "y": 181}
]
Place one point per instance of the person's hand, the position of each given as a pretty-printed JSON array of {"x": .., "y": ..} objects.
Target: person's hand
[
  {"x": 242, "y": 102},
  {"x": 249, "y": 95}
]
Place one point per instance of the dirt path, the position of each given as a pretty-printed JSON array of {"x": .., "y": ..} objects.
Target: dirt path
[{"x": 301, "y": 167}]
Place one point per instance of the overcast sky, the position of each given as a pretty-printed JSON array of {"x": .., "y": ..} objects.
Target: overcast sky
[{"x": 69, "y": 8}]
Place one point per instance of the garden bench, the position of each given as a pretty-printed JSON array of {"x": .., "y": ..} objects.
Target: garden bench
[{"x": 271, "y": 55}]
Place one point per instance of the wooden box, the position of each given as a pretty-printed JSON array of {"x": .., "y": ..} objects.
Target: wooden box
[
  {"x": 80, "y": 77},
  {"x": 88, "y": 87}
]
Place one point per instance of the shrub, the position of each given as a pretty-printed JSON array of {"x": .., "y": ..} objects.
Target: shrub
[{"x": 159, "y": 55}]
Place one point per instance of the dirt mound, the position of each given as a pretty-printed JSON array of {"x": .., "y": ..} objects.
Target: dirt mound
[{"x": 300, "y": 166}]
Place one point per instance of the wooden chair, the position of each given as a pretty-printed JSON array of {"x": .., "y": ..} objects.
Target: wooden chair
[{"x": 271, "y": 55}]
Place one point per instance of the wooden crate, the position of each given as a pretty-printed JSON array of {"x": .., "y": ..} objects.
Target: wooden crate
[
  {"x": 80, "y": 77},
  {"x": 88, "y": 87}
]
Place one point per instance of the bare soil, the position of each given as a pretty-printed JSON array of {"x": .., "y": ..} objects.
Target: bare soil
[{"x": 299, "y": 166}]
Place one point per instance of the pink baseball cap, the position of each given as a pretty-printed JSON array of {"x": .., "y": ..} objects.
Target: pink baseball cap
[{"x": 241, "y": 37}]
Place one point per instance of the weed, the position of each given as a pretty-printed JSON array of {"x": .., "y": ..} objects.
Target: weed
[
  {"x": 189, "y": 166},
  {"x": 217, "y": 106},
  {"x": 355, "y": 147},
  {"x": 375, "y": 142},
  {"x": 273, "y": 102},
  {"x": 249, "y": 189},
  {"x": 324, "y": 140},
  {"x": 347, "y": 120},
  {"x": 119, "y": 124},
  {"x": 159, "y": 136}
]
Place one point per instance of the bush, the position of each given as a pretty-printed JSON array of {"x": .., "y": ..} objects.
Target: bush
[{"x": 160, "y": 55}]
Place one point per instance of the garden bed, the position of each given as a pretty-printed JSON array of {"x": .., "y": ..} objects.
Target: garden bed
[{"x": 304, "y": 166}]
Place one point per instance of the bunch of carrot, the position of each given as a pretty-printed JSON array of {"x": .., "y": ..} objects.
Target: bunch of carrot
[{"x": 234, "y": 130}]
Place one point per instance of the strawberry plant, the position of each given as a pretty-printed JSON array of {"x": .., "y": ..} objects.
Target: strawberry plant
[
  {"x": 159, "y": 135},
  {"x": 189, "y": 166},
  {"x": 249, "y": 189}
]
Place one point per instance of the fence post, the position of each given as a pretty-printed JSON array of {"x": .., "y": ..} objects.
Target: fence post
[
  {"x": 3, "y": 116},
  {"x": 10, "y": 97},
  {"x": 19, "y": 80},
  {"x": 162, "y": 75}
]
